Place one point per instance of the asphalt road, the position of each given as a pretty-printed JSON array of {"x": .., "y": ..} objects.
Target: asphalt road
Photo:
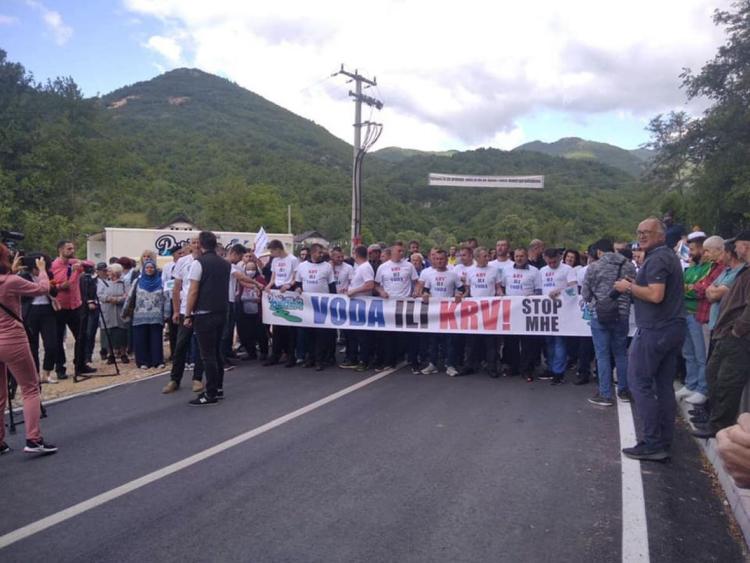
[{"x": 407, "y": 468}]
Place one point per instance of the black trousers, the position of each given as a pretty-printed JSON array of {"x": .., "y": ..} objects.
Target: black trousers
[
  {"x": 252, "y": 331},
  {"x": 70, "y": 319},
  {"x": 482, "y": 347},
  {"x": 318, "y": 344},
  {"x": 182, "y": 347},
  {"x": 228, "y": 337},
  {"x": 359, "y": 345},
  {"x": 521, "y": 353},
  {"x": 209, "y": 329},
  {"x": 173, "y": 329},
  {"x": 283, "y": 342},
  {"x": 41, "y": 321}
]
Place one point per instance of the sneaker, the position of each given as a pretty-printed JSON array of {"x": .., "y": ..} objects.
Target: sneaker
[
  {"x": 601, "y": 401},
  {"x": 270, "y": 362},
  {"x": 451, "y": 371},
  {"x": 643, "y": 452},
  {"x": 53, "y": 378},
  {"x": 190, "y": 366},
  {"x": 197, "y": 386},
  {"x": 319, "y": 367},
  {"x": 348, "y": 364},
  {"x": 39, "y": 447},
  {"x": 468, "y": 371},
  {"x": 160, "y": 366},
  {"x": 383, "y": 368},
  {"x": 696, "y": 398},
  {"x": 557, "y": 380},
  {"x": 170, "y": 387},
  {"x": 546, "y": 376},
  {"x": 625, "y": 396},
  {"x": 682, "y": 392},
  {"x": 415, "y": 370},
  {"x": 581, "y": 380},
  {"x": 220, "y": 394},
  {"x": 142, "y": 367},
  {"x": 110, "y": 360},
  {"x": 430, "y": 369},
  {"x": 529, "y": 378},
  {"x": 361, "y": 367},
  {"x": 4, "y": 448},
  {"x": 124, "y": 359},
  {"x": 86, "y": 369},
  {"x": 62, "y": 375},
  {"x": 203, "y": 400}
]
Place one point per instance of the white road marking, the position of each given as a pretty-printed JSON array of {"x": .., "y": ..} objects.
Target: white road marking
[
  {"x": 634, "y": 525},
  {"x": 98, "y": 500}
]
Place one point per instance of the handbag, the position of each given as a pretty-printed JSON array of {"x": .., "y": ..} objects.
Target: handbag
[{"x": 608, "y": 309}]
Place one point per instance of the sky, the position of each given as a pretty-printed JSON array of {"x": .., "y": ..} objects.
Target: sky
[{"x": 451, "y": 75}]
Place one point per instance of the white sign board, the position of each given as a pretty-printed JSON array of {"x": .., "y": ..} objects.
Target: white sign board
[{"x": 533, "y": 182}]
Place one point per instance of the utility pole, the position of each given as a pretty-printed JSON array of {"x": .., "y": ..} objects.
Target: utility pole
[{"x": 359, "y": 149}]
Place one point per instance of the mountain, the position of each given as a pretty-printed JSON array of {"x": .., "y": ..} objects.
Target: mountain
[
  {"x": 397, "y": 154},
  {"x": 630, "y": 161},
  {"x": 193, "y": 143}
]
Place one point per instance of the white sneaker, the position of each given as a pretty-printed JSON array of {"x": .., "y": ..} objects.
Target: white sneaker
[
  {"x": 682, "y": 392},
  {"x": 453, "y": 372},
  {"x": 430, "y": 369},
  {"x": 53, "y": 378},
  {"x": 143, "y": 367},
  {"x": 696, "y": 398}
]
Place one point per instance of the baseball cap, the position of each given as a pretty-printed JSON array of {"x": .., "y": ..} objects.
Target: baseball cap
[
  {"x": 697, "y": 235},
  {"x": 101, "y": 266}
]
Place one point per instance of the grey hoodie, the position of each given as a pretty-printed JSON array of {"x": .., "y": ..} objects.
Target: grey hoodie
[{"x": 601, "y": 277}]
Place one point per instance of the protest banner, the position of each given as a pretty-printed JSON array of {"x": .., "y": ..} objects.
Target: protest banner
[
  {"x": 539, "y": 315},
  {"x": 464, "y": 181}
]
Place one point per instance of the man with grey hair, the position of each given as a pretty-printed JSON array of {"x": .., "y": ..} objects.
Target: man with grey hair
[
  {"x": 657, "y": 293},
  {"x": 535, "y": 254},
  {"x": 698, "y": 277}
]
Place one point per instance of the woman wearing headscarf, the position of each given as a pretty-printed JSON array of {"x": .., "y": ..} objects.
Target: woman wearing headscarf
[
  {"x": 145, "y": 306},
  {"x": 112, "y": 298}
]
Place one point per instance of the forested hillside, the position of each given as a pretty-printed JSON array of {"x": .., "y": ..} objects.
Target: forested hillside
[{"x": 191, "y": 142}]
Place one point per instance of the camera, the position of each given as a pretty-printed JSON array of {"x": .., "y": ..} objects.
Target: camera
[{"x": 11, "y": 240}]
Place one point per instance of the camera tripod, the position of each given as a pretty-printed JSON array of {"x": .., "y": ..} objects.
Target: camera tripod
[
  {"x": 12, "y": 388},
  {"x": 78, "y": 377}
]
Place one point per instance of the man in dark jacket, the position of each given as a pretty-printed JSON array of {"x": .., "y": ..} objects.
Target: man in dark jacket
[
  {"x": 610, "y": 336},
  {"x": 206, "y": 311}
]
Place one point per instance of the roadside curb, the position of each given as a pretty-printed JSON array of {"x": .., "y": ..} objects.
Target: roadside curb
[
  {"x": 739, "y": 499},
  {"x": 95, "y": 390}
]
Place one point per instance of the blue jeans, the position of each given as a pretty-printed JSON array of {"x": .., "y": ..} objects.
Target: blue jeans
[
  {"x": 694, "y": 352},
  {"x": 557, "y": 354},
  {"x": 611, "y": 340}
]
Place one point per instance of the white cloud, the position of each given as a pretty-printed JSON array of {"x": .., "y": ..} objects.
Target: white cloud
[
  {"x": 8, "y": 20},
  {"x": 451, "y": 75},
  {"x": 167, "y": 47},
  {"x": 61, "y": 32}
]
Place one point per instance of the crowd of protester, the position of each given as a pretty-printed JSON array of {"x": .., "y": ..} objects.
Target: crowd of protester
[{"x": 686, "y": 293}]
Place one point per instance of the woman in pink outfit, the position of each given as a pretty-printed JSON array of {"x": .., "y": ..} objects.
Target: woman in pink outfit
[{"x": 15, "y": 353}]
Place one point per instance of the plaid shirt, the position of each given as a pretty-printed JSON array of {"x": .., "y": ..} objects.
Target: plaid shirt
[{"x": 703, "y": 311}]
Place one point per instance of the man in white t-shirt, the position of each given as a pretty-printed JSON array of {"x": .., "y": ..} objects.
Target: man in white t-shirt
[
  {"x": 316, "y": 276},
  {"x": 283, "y": 267},
  {"x": 167, "y": 281},
  {"x": 521, "y": 352},
  {"x": 482, "y": 281},
  {"x": 503, "y": 261},
  {"x": 438, "y": 282},
  {"x": 556, "y": 278},
  {"x": 463, "y": 265},
  {"x": 395, "y": 280},
  {"x": 359, "y": 342},
  {"x": 236, "y": 272},
  {"x": 180, "y": 273}
]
